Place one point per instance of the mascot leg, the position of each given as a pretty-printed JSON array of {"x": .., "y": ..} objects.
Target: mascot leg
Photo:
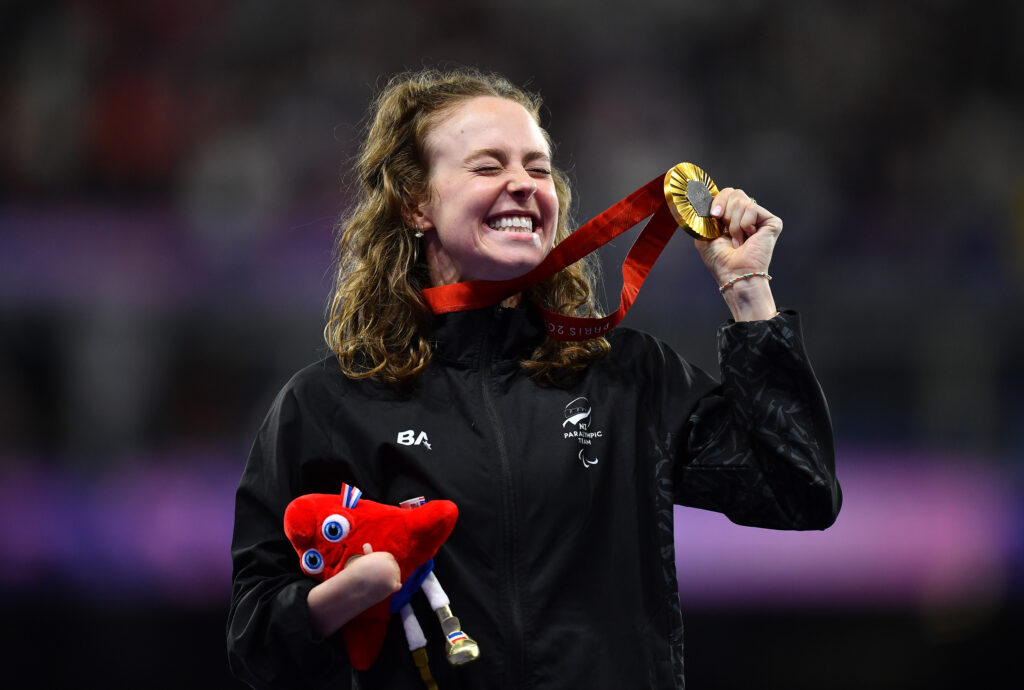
[
  {"x": 460, "y": 647},
  {"x": 417, "y": 645}
]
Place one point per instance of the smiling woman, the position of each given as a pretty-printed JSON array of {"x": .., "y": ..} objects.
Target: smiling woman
[
  {"x": 563, "y": 458},
  {"x": 492, "y": 200},
  {"x": 454, "y": 158}
]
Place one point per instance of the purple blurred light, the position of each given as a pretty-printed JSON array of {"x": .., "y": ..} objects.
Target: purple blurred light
[
  {"x": 917, "y": 530},
  {"x": 912, "y": 531}
]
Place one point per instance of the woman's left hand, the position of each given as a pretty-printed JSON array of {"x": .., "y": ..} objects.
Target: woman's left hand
[{"x": 745, "y": 246}]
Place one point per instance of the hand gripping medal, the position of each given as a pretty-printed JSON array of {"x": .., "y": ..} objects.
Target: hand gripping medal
[{"x": 681, "y": 198}]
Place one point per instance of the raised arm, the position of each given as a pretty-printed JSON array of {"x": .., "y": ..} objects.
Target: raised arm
[{"x": 758, "y": 448}]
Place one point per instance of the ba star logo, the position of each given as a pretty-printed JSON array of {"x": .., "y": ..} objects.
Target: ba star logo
[
  {"x": 577, "y": 426},
  {"x": 410, "y": 438}
]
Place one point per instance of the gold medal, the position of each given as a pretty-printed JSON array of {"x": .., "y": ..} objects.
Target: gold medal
[{"x": 689, "y": 192}]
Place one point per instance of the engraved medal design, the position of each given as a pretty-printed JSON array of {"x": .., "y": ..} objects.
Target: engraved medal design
[{"x": 689, "y": 192}]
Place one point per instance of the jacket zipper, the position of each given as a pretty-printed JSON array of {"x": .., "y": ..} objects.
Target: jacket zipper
[{"x": 509, "y": 532}]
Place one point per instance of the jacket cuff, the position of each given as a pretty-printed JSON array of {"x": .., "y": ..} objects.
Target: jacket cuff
[
  {"x": 781, "y": 335},
  {"x": 295, "y": 618}
]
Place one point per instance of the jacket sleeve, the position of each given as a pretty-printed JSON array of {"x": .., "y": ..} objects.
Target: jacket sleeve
[
  {"x": 270, "y": 638},
  {"x": 759, "y": 447}
]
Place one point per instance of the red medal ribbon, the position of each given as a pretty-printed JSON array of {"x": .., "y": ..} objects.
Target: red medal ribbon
[{"x": 649, "y": 199}]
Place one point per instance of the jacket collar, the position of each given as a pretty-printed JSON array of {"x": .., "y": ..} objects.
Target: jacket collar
[{"x": 502, "y": 334}]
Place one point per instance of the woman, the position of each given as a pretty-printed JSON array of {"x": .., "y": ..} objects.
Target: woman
[{"x": 563, "y": 458}]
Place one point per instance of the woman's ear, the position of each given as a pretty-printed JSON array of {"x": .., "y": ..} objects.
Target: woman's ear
[{"x": 419, "y": 218}]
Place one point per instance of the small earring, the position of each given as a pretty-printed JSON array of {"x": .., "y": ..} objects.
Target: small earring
[{"x": 419, "y": 233}]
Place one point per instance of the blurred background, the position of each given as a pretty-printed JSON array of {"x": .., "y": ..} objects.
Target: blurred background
[{"x": 171, "y": 174}]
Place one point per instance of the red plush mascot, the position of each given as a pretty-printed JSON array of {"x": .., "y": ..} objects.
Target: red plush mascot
[{"x": 329, "y": 529}]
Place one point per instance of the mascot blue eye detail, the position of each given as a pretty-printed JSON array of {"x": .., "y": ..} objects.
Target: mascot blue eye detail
[
  {"x": 335, "y": 527},
  {"x": 312, "y": 562}
]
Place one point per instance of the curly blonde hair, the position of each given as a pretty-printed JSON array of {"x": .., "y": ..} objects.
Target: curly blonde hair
[{"x": 378, "y": 323}]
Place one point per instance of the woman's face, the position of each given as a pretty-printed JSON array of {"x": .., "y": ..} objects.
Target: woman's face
[{"x": 492, "y": 206}]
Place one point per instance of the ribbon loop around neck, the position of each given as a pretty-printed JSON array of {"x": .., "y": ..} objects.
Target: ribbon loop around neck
[{"x": 595, "y": 233}]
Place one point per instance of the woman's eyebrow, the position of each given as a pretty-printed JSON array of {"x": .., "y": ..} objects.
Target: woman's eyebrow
[
  {"x": 497, "y": 154},
  {"x": 537, "y": 156},
  {"x": 502, "y": 156}
]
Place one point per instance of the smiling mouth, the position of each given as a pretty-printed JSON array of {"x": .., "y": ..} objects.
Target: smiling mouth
[{"x": 511, "y": 223}]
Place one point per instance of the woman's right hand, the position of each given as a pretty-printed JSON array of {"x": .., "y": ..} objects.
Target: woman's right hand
[{"x": 364, "y": 581}]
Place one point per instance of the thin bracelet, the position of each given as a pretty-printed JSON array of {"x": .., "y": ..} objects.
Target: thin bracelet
[{"x": 723, "y": 288}]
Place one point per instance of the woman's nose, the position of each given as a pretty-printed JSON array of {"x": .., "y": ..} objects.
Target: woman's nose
[{"x": 522, "y": 184}]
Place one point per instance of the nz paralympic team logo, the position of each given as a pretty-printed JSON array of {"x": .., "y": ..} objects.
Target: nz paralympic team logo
[{"x": 577, "y": 426}]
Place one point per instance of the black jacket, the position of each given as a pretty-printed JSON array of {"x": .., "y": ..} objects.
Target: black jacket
[{"x": 562, "y": 563}]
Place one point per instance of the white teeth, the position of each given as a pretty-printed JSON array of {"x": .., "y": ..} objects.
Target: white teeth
[{"x": 512, "y": 223}]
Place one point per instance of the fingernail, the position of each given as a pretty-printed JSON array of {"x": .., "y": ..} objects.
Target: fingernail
[
  {"x": 735, "y": 243},
  {"x": 716, "y": 210}
]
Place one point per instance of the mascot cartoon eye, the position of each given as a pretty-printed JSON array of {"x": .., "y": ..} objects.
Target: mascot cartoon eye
[
  {"x": 312, "y": 562},
  {"x": 335, "y": 528}
]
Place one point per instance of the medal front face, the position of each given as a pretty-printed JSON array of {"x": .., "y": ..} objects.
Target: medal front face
[{"x": 689, "y": 192}]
